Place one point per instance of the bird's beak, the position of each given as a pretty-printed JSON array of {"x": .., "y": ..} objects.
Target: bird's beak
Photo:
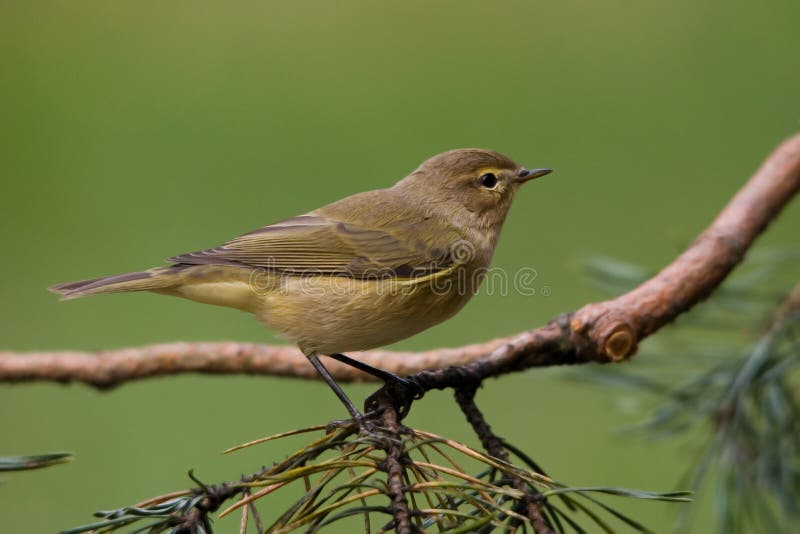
[{"x": 529, "y": 174}]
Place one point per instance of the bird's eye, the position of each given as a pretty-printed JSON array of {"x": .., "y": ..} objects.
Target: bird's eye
[{"x": 488, "y": 180}]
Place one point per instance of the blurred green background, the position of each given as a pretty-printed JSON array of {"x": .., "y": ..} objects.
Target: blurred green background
[{"x": 132, "y": 131}]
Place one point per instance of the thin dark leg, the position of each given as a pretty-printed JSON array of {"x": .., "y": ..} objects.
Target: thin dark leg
[
  {"x": 386, "y": 376},
  {"x": 326, "y": 376},
  {"x": 404, "y": 391}
]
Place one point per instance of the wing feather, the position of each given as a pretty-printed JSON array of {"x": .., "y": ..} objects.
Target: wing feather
[{"x": 314, "y": 244}]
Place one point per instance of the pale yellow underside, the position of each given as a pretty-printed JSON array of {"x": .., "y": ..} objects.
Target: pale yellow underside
[{"x": 327, "y": 314}]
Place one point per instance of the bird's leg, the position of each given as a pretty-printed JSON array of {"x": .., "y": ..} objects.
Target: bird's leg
[
  {"x": 326, "y": 376},
  {"x": 401, "y": 389},
  {"x": 386, "y": 376}
]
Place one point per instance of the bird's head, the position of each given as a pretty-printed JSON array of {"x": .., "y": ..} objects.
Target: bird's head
[{"x": 483, "y": 182}]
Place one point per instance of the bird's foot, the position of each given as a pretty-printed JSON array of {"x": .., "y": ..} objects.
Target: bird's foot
[
  {"x": 346, "y": 424},
  {"x": 397, "y": 391},
  {"x": 401, "y": 392},
  {"x": 364, "y": 422}
]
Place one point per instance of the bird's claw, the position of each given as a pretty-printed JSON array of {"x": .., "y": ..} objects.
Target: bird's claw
[
  {"x": 401, "y": 392},
  {"x": 365, "y": 422}
]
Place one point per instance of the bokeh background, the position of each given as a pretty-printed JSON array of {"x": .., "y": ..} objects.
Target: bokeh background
[{"x": 132, "y": 131}]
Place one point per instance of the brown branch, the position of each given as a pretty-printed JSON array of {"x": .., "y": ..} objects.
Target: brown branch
[
  {"x": 107, "y": 369},
  {"x": 531, "y": 504},
  {"x": 604, "y": 331},
  {"x": 396, "y": 456}
]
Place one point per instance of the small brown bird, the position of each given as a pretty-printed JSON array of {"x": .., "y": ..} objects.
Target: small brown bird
[{"x": 363, "y": 272}]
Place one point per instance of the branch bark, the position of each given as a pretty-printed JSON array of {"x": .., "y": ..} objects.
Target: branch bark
[
  {"x": 531, "y": 505},
  {"x": 603, "y": 332}
]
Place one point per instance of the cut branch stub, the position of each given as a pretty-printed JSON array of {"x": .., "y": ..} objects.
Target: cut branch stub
[
  {"x": 602, "y": 333},
  {"x": 620, "y": 343}
]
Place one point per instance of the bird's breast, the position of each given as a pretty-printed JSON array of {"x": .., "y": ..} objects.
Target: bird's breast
[{"x": 328, "y": 314}]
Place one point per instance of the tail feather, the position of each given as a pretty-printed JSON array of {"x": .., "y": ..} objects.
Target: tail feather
[{"x": 152, "y": 279}]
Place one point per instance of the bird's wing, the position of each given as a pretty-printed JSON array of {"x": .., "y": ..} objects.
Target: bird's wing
[{"x": 314, "y": 244}]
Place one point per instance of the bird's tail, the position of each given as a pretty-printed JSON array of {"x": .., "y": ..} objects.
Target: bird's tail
[{"x": 161, "y": 278}]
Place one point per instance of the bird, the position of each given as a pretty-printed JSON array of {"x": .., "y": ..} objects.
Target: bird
[{"x": 363, "y": 272}]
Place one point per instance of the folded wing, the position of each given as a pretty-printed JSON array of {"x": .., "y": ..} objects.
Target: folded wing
[{"x": 314, "y": 244}]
